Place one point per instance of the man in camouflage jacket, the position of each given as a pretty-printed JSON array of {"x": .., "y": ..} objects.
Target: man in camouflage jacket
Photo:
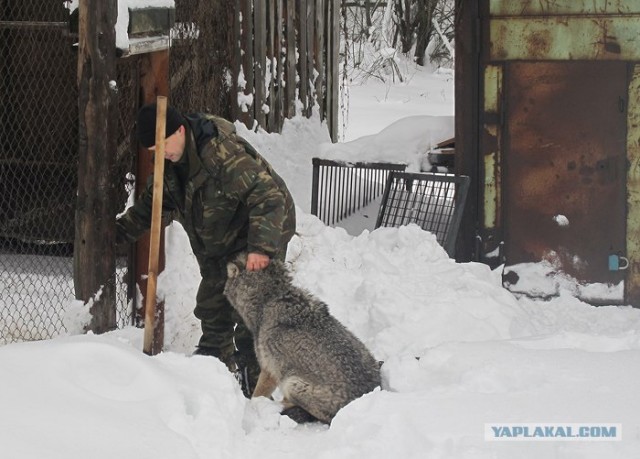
[{"x": 228, "y": 199}]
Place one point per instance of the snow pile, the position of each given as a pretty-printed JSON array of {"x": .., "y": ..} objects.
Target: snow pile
[
  {"x": 460, "y": 352},
  {"x": 406, "y": 141},
  {"x": 379, "y": 285}
]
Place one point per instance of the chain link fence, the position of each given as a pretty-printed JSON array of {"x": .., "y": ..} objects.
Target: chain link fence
[
  {"x": 38, "y": 168},
  {"x": 285, "y": 46},
  {"x": 39, "y": 144}
]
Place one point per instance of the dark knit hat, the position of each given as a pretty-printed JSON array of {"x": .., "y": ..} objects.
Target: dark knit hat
[{"x": 146, "y": 124}]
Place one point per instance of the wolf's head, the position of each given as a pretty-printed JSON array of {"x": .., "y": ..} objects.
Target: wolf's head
[{"x": 249, "y": 291}]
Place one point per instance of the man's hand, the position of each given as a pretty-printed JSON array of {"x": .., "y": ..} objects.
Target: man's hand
[{"x": 257, "y": 261}]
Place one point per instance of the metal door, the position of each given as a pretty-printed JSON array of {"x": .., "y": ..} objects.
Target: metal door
[{"x": 565, "y": 165}]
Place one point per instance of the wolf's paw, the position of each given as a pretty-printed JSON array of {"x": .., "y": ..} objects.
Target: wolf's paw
[{"x": 299, "y": 415}]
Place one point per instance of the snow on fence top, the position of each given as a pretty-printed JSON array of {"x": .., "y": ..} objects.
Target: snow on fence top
[{"x": 122, "y": 23}]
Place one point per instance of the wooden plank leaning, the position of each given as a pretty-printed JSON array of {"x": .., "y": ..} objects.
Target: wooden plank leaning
[{"x": 149, "y": 346}]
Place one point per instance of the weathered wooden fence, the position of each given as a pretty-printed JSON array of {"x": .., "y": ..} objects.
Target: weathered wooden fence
[{"x": 280, "y": 60}]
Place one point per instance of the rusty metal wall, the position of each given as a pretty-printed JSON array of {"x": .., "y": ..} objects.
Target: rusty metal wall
[
  {"x": 555, "y": 137},
  {"x": 564, "y": 30},
  {"x": 564, "y": 156},
  {"x": 38, "y": 168},
  {"x": 632, "y": 283}
]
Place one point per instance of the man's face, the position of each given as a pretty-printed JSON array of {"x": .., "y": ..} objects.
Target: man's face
[{"x": 174, "y": 145}]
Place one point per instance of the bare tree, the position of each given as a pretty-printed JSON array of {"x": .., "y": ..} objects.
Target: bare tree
[
  {"x": 406, "y": 24},
  {"x": 424, "y": 27},
  {"x": 377, "y": 32}
]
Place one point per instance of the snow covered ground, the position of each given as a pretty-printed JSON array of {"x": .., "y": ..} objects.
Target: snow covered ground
[{"x": 461, "y": 353}]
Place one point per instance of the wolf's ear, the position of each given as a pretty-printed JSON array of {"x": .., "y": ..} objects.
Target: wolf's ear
[
  {"x": 232, "y": 270},
  {"x": 241, "y": 258}
]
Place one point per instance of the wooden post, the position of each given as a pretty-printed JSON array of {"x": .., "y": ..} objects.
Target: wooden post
[
  {"x": 290, "y": 66},
  {"x": 470, "y": 31},
  {"x": 150, "y": 346},
  {"x": 271, "y": 66},
  {"x": 310, "y": 57},
  {"x": 333, "y": 77},
  {"x": 301, "y": 26},
  {"x": 94, "y": 257},
  {"x": 279, "y": 90},
  {"x": 247, "y": 45},
  {"x": 260, "y": 58}
]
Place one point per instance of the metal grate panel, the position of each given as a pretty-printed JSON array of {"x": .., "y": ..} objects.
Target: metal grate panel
[
  {"x": 339, "y": 189},
  {"x": 434, "y": 202}
]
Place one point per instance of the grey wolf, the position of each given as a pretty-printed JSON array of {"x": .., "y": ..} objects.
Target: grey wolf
[{"x": 318, "y": 364}]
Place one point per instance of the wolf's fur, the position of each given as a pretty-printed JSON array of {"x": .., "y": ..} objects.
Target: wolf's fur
[{"x": 318, "y": 364}]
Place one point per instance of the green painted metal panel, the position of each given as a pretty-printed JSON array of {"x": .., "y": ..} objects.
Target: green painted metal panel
[
  {"x": 547, "y": 7},
  {"x": 492, "y": 98},
  {"x": 565, "y": 38},
  {"x": 492, "y": 88},
  {"x": 491, "y": 175}
]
